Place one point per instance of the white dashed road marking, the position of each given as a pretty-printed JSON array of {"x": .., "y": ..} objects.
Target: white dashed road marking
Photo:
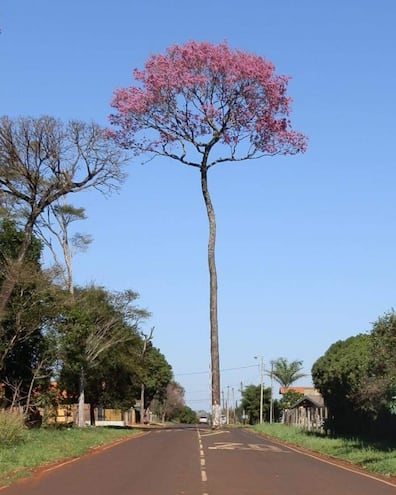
[{"x": 204, "y": 477}]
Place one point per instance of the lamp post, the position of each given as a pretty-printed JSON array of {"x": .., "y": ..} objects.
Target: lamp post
[
  {"x": 271, "y": 399},
  {"x": 261, "y": 385}
]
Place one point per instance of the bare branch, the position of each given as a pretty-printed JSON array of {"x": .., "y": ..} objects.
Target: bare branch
[{"x": 41, "y": 160}]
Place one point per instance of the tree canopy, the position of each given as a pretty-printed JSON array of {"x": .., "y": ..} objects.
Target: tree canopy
[
  {"x": 356, "y": 378},
  {"x": 26, "y": 351},
  {"x": 199, "y": 94},
  {"x": 250, "y": 402},
  {"x": 285, "y": 372}
]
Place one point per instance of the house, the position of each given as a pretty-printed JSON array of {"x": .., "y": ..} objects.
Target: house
[
  {"x": 309, "y": 391},
  {"x": 309, "y": 412},
  {"x": 63, "y": 412}
]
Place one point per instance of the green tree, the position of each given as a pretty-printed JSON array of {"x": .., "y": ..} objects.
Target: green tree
[
  {"x": 250, "y": 402},
  {"x": 286, "y": 373},
  {"x": 114, "y": 381},
  {"x": 339, "y": 375},
  {"x": 156, "y": 374},
  {"x": 379, "y": 389},
  {"x": 14, "y": 331},
  {"x": 26, "y": 344},
  {"x": 357, "y": 378},
  {"x": 93, "y": 323},
  {"x": 186, "y": 415}
]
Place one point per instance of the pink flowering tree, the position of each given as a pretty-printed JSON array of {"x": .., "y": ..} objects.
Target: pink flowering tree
[{"x": 203, "y": 104}]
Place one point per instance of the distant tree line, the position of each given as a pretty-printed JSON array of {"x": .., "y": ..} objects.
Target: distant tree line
[{"x": 357, "y": 379}]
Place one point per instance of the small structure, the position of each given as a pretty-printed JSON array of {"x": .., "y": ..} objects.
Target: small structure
[{"x": 309, "y": 412}]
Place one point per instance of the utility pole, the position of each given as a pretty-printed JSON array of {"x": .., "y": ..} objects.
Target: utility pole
[
  {"x": 261, "y": 385},
  {"x": 271, "y": 399},
  {"x": 146, "y": 340},
  {"x": 233, "y": 406},
  {"x": 242, "y": 418},
  {"x": 228, "y": 405}
]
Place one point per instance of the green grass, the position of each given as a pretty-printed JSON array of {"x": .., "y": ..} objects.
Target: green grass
[
  {"x": 376, "y": 457},
  {"x": 46, "y": 445}
]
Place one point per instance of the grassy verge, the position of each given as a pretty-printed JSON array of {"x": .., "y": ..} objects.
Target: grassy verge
[
  {"x": 376, "y": 457},
  {"x": 43, "y": 446}
]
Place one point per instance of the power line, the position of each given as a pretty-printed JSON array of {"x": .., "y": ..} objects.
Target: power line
[
  {"x": 203, "y": 399},
  {"x": 188, "y": 392},
  {"x": 192, "y": 373},
  {"x": 222, "y": 370},
  {"x": 240, "y": 368}
]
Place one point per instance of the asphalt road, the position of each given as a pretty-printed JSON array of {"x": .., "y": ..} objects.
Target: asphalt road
[{"x": 199, "y": 461}]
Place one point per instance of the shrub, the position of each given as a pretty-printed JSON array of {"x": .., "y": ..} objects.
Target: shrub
[{"x": 12, "y": 428}]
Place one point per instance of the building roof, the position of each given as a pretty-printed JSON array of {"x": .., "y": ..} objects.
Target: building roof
[
  {"x": 309, "y": 390},
  {"x": 309, "y": 401}
]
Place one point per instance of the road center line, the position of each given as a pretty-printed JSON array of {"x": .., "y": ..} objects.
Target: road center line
[{"x": 204, "y": 477}]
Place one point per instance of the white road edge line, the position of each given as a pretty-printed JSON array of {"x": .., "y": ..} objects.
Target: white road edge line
[{"x": 326, "y": 461}]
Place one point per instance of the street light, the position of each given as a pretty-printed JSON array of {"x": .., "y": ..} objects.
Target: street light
[
  {"x": 261, "y": 385},
  {"x": 271, "y": 398}
]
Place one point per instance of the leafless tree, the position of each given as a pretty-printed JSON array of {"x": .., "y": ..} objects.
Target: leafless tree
[
  {"x": 55, "y": 223},
  {"x": 41, "y": 160}
]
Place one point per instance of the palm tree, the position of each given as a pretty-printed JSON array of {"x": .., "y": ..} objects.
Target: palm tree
[{"x": 286, "y": 373}]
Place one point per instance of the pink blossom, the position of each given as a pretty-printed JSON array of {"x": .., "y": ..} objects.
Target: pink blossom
[{"x": 205, "y": 94}]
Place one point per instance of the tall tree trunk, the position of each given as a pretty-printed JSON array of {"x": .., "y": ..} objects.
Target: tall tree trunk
[
  {"x": 68, "y": 263},
  {"x": 214, "y": 330}
]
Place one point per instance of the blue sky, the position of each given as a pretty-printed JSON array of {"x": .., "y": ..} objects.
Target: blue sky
[{"x": 305, "y": 248}]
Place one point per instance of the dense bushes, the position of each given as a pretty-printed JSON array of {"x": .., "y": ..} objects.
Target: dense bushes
[
  {"x": 12, "y": 428},
  {"x": 357, "y": 379}
]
